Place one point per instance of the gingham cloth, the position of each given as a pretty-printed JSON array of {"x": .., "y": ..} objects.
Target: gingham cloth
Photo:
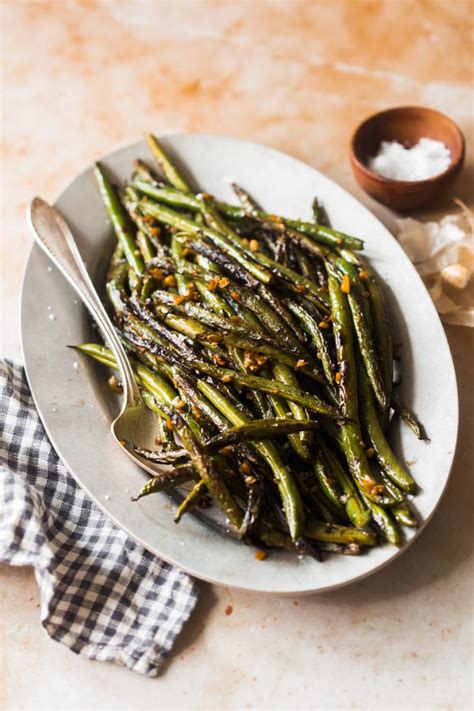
[{"x": 102, "y": 594}]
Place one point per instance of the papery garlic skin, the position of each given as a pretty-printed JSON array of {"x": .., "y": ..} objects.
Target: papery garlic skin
[{"x": 443, "y": 254}]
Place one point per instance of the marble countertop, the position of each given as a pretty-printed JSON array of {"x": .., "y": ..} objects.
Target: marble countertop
[{"x": 83, "y": 77}]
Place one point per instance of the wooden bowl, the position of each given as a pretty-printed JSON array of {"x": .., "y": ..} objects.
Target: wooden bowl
[{"x": 405, "y": 124}]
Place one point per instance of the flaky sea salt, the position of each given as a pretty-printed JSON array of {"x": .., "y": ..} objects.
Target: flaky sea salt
[{"x": 425, "y": 160}]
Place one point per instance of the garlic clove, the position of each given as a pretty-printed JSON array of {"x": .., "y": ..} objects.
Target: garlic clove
[{"x": 456, "y": 274}]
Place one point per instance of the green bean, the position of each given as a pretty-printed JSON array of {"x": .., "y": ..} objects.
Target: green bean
[
  {"x": 339, "y": 534},
  {"x": 396, "y": 495},
  {"x": 281, "y": 409},
  {"x": 156, "y": 384},
  {"x": 305, "y": 264},
  {"x": 168, "y": 195},
  {"x": 258, "y": 429},
  {"x": 378, "y": 309},
  {"x": 143, "y": 171},
  {"x": 145, "y": 246},
  {"x": 215, "y": 221},
  {"x": 205, "y": 263},
  {"x": 350, "y": 428},
  {"x": 290, "y": 495},
  {"x": 169, "y": 169},
  {"x": 213, "y": 300},
  {"x": 284, "y": 374},
  {"x": 117, "y": 259},
  {"x": 364, "y": 336},
  {"x": 382, "y": 332},
  {"x": 308, "y": 245},
  {"x": 321, "y": 233},
  {"x": 130, "y": 200},
  {"x": 249, "y": 205},
  {"x": 143, "y": 323},
  {"x": 408, "y": 417},
  {"x": 192, "y": 499},
  {"x": 319, "y": 213},
  {"x": 222, "y": 262},
  {"x": 187, "y": 326},
  {"x": 205, "y": 469},
  {"x": 385, "y": 522},
  {"x": 98, "y": 352},
  {"x": 266, "y": 315},
  {"x": 318, "y": 341},
  {"x": 283, "y": 313},
  {"x": 167, "y": 480},
  {"x": 119, "y": 219},
  {"x": 164, "y": 436},
  {"x": 385, "y": 455},
  {"x": 404, "y": 515},
  {"x": 199, "y": 275},
  {"x": 327, "y": 483},
  {"x": 194, "y": 399},
  {"x": 274, "y": 538},
  {"x": 356, "y": 512},
  {"x": 295, "y": 281},
  {"x": 133, "y": 279}
]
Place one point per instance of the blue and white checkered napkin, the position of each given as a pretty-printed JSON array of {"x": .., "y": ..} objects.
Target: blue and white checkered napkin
[{"x": 102, "y": 595}]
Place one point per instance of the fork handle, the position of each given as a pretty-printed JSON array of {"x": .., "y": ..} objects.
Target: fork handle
[{"x": 53, "y": 235}]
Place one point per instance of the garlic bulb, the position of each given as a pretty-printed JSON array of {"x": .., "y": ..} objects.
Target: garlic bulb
[{"x": 443, "y": 254}]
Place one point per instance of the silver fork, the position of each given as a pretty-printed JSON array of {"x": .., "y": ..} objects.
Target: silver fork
[{"x": 135, "y": 424}]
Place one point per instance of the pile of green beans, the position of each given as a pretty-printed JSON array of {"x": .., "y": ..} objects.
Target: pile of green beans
[{"x": 263, "y": 345}]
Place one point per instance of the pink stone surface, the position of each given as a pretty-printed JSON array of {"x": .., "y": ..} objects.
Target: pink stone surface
[{"x": 81, "y": 78}]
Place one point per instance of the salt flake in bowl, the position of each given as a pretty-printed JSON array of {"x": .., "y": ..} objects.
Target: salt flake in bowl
[{"x": 426, "y": 159}]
